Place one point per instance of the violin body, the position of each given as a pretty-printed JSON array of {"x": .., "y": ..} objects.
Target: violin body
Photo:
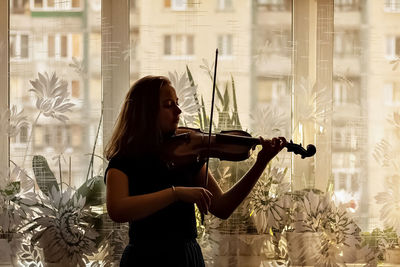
[{"x": 190, "y": 145}]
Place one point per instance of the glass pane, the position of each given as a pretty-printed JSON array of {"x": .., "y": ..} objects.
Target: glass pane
[
  {"x": 178, "y": 39},
  {"x": 56, "y": 143}
]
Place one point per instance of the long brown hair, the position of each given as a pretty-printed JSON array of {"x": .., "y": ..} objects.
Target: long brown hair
[{"x": 136, "y": 130}]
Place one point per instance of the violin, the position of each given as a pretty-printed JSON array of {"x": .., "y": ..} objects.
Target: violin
[{"x": 190, "y": 145}]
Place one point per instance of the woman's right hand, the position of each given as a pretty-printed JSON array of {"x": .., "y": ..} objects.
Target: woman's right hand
[{"x": 199, "y": 195}]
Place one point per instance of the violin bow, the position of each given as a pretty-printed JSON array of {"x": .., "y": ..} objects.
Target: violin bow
[{"x": 210, "y": 128}]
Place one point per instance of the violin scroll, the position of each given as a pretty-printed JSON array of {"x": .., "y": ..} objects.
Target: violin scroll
[{"x": 298, "y": 149}]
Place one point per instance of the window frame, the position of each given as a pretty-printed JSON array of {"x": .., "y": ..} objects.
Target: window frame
[
  {"x": 46, "y": 8},
  {"x": 391, "y": 6},
  {"x": 18, "y": 48}
]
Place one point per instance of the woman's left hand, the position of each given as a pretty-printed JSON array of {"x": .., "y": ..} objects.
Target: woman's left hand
[{"x": 270, "y": 148}]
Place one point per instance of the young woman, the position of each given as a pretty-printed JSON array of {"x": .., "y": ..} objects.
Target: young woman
[{"x": 158, "y": 202}]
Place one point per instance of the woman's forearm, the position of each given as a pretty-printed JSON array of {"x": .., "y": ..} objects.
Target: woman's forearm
[
  {"x": 232, "y": 198},
  {"x": 138, "y": 207}
]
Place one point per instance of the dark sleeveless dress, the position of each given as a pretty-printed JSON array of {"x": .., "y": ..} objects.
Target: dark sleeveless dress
[{"x": 167, "y": 237}]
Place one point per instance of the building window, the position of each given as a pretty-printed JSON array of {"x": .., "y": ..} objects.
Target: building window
[
  {"x": 274, "y": 42},
  {"x": 346, "y": 42},
  {"x": 178, "y": 45},
  {"x": 225, "y": 45},
  {"x": 179, "y": 5},
  {"x": 19, "y": 6},
  {"x": 392, "y": 6},
  {"x": 75, "y": 88},
  {"x": 279, "y": 90},
  {"x": 347, "y": 5},
  {"x": 19, "y": 46},
  {"x": 64, "y": 46},
  {"x": 275, "y": 5},
  {"x": 22, "y": 136},
  {"x": 392, "y": 93},
  {"x": 339, "y": 93},
  {"x": 54, "y": 5},
  {"x": 346, "y": 91},
  {"x": 224, "y": 5},
  {"x": 392, "y": 47}
]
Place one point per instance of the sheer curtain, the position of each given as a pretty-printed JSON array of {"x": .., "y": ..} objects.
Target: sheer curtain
[{"x": 318, "y": 72}]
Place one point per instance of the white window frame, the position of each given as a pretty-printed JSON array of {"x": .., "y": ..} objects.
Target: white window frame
[
  {"x": 390, "y": 47},
  {"x": 66, "y": 5},
  {"x": 392, "y": 6},
  {"x": 179, "y": 5},
  {"x": 12, "y": 5},
  {"x": 57, "y": 46},
  {"x": 225, "y": 40},
  {"x": 340, "y": 96},
  {"x": 18, "y": 35},
  {"x": 183, "y": 47},
  {"x": 388, "y": 92},
  {"x": 115, "y": 70},
  {"x": 349, "y": 172}
]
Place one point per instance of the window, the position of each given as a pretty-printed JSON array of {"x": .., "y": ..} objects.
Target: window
[
  {"x": 272, "y": 90},
  {"x": 19, "y": 46},
  {"x": 75, "y": 89},
  {"x": 346, "y": 91},
  {"x": 345, "y": 138},
  {"x": 347, "y": 5},
  {"x": 278, "y": 89},
  {"x": 392, "y": 6},
  {"x": 178, "y": 45},
  {"x": 392, "y": 47},
  {"x": 54, "y": 5},
  {"x": 224, "y": 5},
  {"x": 273, "y": 41},
  {"x": 346, "y": 42},
  {"x": 22, "y": 137},
  {"x": 339, "y": 93},
  {"x": 19, "y": 6},
  {"x": 64, "y": 46},
  {"x": 392, "y": 93},
  {"x": 179, "y": 5},
  {"x": 276, "y": 5},
  {"x": 225, "y": 45}
]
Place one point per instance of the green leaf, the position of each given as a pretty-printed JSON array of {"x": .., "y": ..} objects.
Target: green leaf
[
  {"x": 93, "y": 189},
  {"x": 190, "y": 76},
  {"x": 11, "y": 189},
  {"x": 226, "y": 99},
  {"x": 235, "y": 115},
  {"x": 44, "y": 176},
  {"x": 204, "y": 115}
]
